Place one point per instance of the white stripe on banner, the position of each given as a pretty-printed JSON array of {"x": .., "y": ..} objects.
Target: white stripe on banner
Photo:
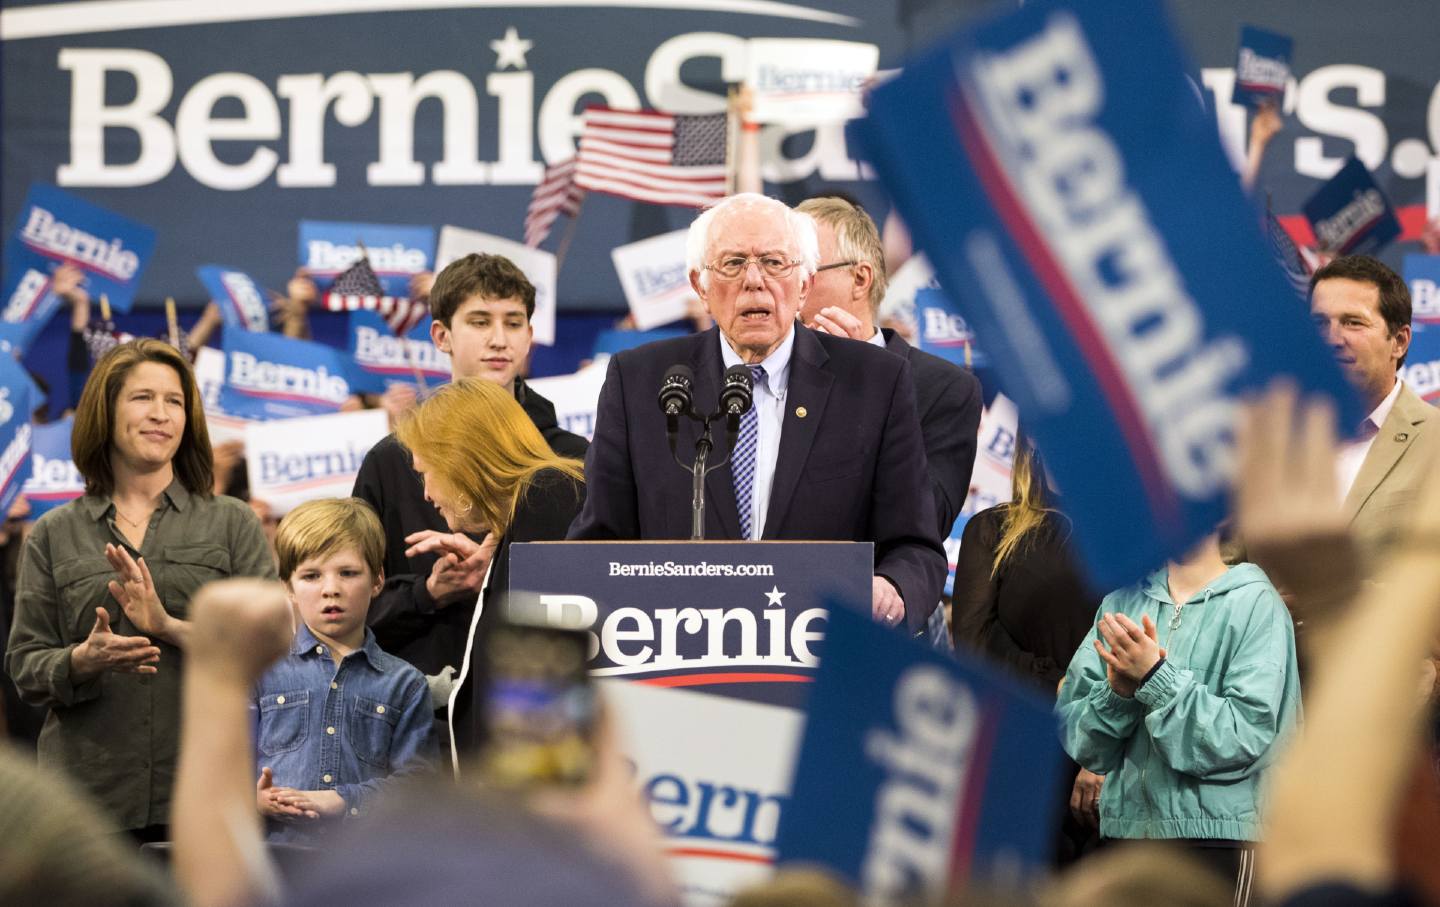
[{"x": 94, "y": 16}]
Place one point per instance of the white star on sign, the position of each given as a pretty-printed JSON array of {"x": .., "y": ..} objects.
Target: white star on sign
[
  {"x": 774, "y": 596},
  {"x": 510, "y": 50}
]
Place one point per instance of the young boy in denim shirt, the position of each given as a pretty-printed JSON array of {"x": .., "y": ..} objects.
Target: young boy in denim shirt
[{"x": 337, "y": 715}]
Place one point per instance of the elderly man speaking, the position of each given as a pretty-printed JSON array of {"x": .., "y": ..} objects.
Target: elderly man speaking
[{"x": 831, "y": 449}]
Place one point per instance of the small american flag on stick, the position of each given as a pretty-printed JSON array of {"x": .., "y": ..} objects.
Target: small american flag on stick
[
  {"x": 557, "y": 194},
  {"x": 357, "y": 287}
]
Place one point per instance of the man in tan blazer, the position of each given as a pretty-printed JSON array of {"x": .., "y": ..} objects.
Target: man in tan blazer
[{"x": 1363, "y": 310}]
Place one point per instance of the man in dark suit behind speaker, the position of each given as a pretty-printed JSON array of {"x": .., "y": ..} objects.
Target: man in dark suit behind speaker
[
  {"x": 831, "y": 450},
  {"x": 849, "y": 285}
]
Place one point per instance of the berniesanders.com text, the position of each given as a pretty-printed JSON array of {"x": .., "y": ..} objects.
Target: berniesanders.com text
[{"x": 703, "y": 568}]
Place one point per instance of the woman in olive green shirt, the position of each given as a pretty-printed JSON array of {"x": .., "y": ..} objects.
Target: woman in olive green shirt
[{"x": 105, "y": 582}]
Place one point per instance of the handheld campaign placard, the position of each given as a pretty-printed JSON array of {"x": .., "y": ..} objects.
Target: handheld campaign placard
[
  {"x": 538, "y": 265},
  {"x": 1422, "y": 363},
  {"x": 949, "y": 770},
  {"x": 396, "y": 252},
  {"x": 272, "y": 377},
  {"x": 29, "y": 302},
  {"x": 239, "y": 296},
  {"x": 801, "y": 82},
  {"x": 1053, "y": 168},
  {"x": 1349, "y": 214},
  {"x": 653, "y": 276},
  {"x": 1262, "y": 67},
  {"x": 291, "y": 461},
  {"x": 944, "y": 331},
  {"x": 382, "y": 359},
  {"x": 15, "y": 430},
  {"x": 54, "y": 480},
  {"x": 56, "y": 228}
]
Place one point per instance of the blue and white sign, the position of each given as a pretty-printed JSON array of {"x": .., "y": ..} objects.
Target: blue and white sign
[
  {"x": 950, "y": 771},
  {"x": 15, "y": 430},
  {"x": 396, "y": 252},
  {"x": 806, "y": 82},
  {"x": 614, "y": 340},
  {"x": 1034, "y": 157},
  {"x": 239, "y": 296},
  {"x": 1262, "y": 68},
  {"x": 944, "y": 331},
  {"x": 1422, "y": 363},
  {"x": 29, "y": 302},
  {"x": 382, "y": 359},
  {"x": 653, "y": 276},
  {"x": 57, "y": 228},
  {"x": 1349, "y": 214},
  {"x": 268, "y": 376},
  {"x": 291, "y": 461},
  {"x": 54, "y": 480}
]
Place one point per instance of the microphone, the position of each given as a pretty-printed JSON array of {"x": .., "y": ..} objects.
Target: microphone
[
  {"x": 737, "y": 394},
  {"x": 675, "y": 391}
]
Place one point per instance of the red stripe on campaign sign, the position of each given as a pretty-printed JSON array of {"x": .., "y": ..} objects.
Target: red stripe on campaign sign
[
  {"x": 700, "y": 680},
  {"x": 972, "y": 798},
  {"x": 719, "y": 855},
  {"x": 996, "y": 184}
]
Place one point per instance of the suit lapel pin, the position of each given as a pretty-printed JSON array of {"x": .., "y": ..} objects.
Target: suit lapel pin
[
  {"x": 1401, "y": 436},
  {"x": 801, "y": 412}
]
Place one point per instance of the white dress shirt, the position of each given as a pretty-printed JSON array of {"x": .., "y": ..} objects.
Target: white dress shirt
[
  {"x": 770, "y": 410},
  {"x": 877, "y": 339},
  {"x": 1352, "y": 455}
]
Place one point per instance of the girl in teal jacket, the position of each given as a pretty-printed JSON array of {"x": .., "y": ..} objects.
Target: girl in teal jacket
[{"x": 1181, "y": 706}]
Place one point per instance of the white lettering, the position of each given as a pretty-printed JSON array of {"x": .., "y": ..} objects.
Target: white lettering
[
  {"x": 400, "y": 94},
  {"x": 90, "y": 117},
  {"x": 197, "y": 130},
  {"x": 1365, "y": 131}
]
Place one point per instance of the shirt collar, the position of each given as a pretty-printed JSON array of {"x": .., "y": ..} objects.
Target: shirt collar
[
  {"x": 98, "y": 505},
  {"x": 877, "y": 339},
  {"x": 306, "y": 643},
  {"x": 776, "y": 365},
  {"x": 1382, "y": 412}
]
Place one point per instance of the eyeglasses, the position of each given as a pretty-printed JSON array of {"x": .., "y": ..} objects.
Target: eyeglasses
[
  {"x": 734, "y": 266},
  {"x": 836, "y": 264}
]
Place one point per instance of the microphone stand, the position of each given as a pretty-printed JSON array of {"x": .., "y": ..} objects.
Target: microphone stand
[{"x": 701, "y": 467}]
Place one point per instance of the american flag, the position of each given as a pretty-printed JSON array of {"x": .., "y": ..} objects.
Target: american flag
[
  {"x": 557, "y": 194},
  {"x": 1291, "y": 260},
  {"x": 357, "y": 287},
  {"x": 653, "y": 157}
]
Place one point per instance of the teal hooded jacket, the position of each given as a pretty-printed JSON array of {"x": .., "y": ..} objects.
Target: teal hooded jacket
[{"x": 1184, "y": 757}]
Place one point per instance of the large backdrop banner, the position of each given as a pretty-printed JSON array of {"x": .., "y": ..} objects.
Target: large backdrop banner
[{"x": 223, "y": 125}]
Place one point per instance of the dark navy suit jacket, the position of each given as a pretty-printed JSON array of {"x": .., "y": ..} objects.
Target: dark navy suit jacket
[{"x": 851, "y": 469}]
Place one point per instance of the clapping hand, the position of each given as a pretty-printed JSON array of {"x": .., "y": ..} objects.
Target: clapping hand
[
  {"x": 134, "y": 589},
  {"x": 1133, "y": 651},
  {"x": 460, "y": 569},
  {"x": 104, "y": 650}
]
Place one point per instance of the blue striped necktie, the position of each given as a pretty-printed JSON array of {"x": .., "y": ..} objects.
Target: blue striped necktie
[{"x": 742, "y": 458}]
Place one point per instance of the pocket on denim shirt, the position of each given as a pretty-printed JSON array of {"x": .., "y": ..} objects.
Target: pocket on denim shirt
[
  {"x": 284, "y": 721},
  {"x": 372, "y": 727}
]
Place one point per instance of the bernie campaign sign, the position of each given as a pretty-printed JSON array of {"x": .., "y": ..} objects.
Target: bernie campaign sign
[
  {"x": 945, "y": 766},
  {"x": 1262, "y": 68},
  {"x": 1035, "y": 158},
  {"x": 57, "y": 228},
  {"x": 943, "y": 331},
  {"x": 1422, "y": 363},
  {"x": 800, "y": 82},
  {"x": 1349, "y": 214},
  {"x": 382, "y": 359},
  {"x": 29, "y": 302},
  {"x": 268, "y": 376},
  {"x": 15, "y": 431},
  {"x": 241, "y": 301},
  {"x": 396, "y": 253},
  {"x": 653, "y": 276},
  {"x": 291, "y": 461},
  {"x": 54, "y": 480}
]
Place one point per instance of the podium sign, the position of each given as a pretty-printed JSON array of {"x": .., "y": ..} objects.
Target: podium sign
[{"x": 706, "y": 651}]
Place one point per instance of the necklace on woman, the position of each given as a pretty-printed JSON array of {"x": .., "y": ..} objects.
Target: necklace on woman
[{"x": 136, "y": 523}]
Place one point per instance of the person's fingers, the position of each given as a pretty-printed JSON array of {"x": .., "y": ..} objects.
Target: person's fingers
[
  {"x": 1075, "y": 799},
  {"x": 1148, "y": 626},
  {"x": 102, "y": 621},
  {"x": 266, "y": 780},
  {"x": 414, "y": 537},
  {"x": 117, "y": 591},
  {"x": 1130, "y": 628},
  {"x": 1108, "y": 631},
  {"x": 1106, "y": 656},
  {"x": 825, "y": 325},
  {"x": 145, "y": 576},
  {"x": 1317, "y": 450}
]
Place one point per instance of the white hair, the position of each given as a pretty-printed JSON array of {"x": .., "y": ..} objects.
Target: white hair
[{"x": 800, "y": 227}]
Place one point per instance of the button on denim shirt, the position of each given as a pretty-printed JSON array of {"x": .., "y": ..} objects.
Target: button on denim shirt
[{"x": 344, "y": 728}]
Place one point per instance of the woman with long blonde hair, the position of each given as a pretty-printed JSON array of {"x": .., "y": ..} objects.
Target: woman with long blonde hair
[
  {"x": 489, "y": 471},
  {"x": 1021, "y": 601}
]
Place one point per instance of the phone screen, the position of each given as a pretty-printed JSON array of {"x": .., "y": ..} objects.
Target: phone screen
[{"x": 540, "y": 707}]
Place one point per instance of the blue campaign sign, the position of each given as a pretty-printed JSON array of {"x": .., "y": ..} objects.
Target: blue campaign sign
[
  {"x": 1349, "y": 214},
  {"x": 1262, "y": 67},
  {"x": 949, "y": 771},
  {"x": 57, "y": 228},
  {"x": 944, "y": 331},
  {"x": 268, "y": 376},
  {"x": 1422, "y": 363},
  {"x": 54, "y": 480},
  {"x": 617, "y": 341},
  {"x": 29, "y": 302},
  {"x": 381, "y": 359},
  {"x": 239, "y": 296},
  {"x": 396, "y": 252},
  {"x": 1038, "y": 159},
  {"x": 738, "y": 620},
  {"x": 15, "y": 430}
]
